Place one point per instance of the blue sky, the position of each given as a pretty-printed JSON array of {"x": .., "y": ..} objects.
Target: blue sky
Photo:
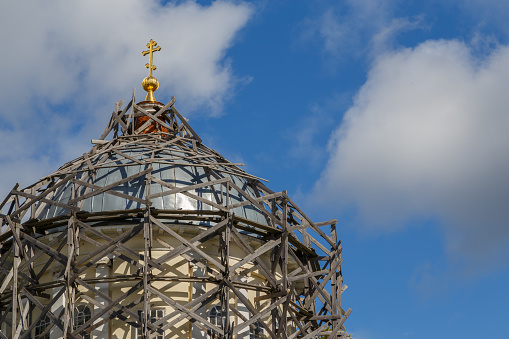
[{"x": 390, "y": 116}]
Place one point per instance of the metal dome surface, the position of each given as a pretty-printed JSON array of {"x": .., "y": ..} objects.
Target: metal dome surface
[
  {"x": 158, "y": 147},
  {"x": 169, "y": 163}
]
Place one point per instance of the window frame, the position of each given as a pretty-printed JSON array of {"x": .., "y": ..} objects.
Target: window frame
[
  {"x": 213, "y": 319},
  {"x": 152, "y": 319},
  {"x": 41, "y": 325},
  {"x": 77, "y": 317}
]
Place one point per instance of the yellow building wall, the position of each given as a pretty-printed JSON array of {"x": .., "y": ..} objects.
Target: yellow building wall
[{"x": 181, "y": 292}]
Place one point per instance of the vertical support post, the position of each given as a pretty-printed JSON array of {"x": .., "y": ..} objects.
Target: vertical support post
[
  {"x": 117, "y": 109},
  {"x": 244, "y": 333},
  {"x": 147, "y": 236},
  {"x": 72, "y": 253},
  {"x": 307, "y": 286},
  {"x": 227, "y": 199},
  {"x": 102, "y": 270},
  {"x": 224, "y": 245},
  {"x": 57, "y": 307},
  {"x": 198, "y": 289},
  {"x": 17, "y": 261},
  {"x": 33, "y": 207},
  {"x": 146, "y": 292},
  {"x": 30, "y": 250},
  {"x": 334, "y": 281},
  {"x": 190, "y": 297},
  {"x": 284, "y": 270}
]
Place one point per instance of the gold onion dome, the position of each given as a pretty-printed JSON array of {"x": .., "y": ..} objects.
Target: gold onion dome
[{"x": 150, "y": 84}]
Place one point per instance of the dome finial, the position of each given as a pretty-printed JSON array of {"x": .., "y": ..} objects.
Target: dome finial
[{"x": 150, "y": 84}]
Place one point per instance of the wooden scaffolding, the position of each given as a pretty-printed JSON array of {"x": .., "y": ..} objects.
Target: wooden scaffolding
[{"x": 305, "y": 297}]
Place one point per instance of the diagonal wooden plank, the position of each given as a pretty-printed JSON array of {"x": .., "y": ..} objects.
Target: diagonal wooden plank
[
  {"x": 110, "y": 186},
  {"x": 183, "y": 309},
  {"x": 152, "y": 117},
  {"x": 4, "y": 202},
  {"x": 45, "y": 310},
  {"x": 126, "y": 108},
  {"x": 201, "y": 301},
  {"x": 63, "y": 241},
  {"x": 106, "y": 248},
  {"x": 249, "y": 306},
  {"x": 316, "y": 332},
  {"x": 317, "y": 243},
  {"x": 307, "y": 275},
  {"x": 257, "y": 204},
  {"x": 11, "y": 276},
  {"x": 3, "y": 317},
  {"x": 284, "y": 313},
  {"x": 261, "y": 314},
  {"x": 157, "y": 114},
  {"x": 258, "y": 200},
  {"x": 187, "y": 188},
  {"x": 246, "y": 248},
  {"x": 264, "y": 248},
  {"x": 107, "y": 130},
  {"x": 7, "y": 280},
  {"x": 184, "y": 121},
  {"x": 195, "y": 241},
  {"x": 47, "y": 201},
  {"x": 188, "y": 243},
  {"x": 115, "y": 193},
  {"x": 111, "y": 303},
  {"x": 41, "y": 196},
  {"x": 341, "y": 322},
  {"x": 315, "y": 228},
  {"x": 116, "y": 252},
  {"x": 48, "y": 250},
  {"x": 140, "y": 162},
  {"x": 315, "y": 282},
  {"x": 118, "y": 120},
  {"x": 193, "y": 196},
  {"x": 5, "y": 255},
  {"x": 15, "y": 235},
  {"x": 300, "y": 329},
  {"x": 321, "y": 286},
  {"x": 23, "y": 322}
]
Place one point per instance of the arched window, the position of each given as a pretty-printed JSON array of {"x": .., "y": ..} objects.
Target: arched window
[
  {"x": 215, "y": 318},
  {"x": 155, "y": 315},
  {"x": 40, "y": 328},
  {"x": 82, "y": 314},
  {"x": 256, "y": 331}
]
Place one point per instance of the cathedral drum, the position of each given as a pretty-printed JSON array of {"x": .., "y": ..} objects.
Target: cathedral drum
[{"x": 151, "y": 234}]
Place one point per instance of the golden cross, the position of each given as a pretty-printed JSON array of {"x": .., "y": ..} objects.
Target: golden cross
[{"x": 151, "y": 49}]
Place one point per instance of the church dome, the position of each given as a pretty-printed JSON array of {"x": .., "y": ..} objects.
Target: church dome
[
  {"x": 172, "y": 161},
  {"x": 151, "y": 234}
]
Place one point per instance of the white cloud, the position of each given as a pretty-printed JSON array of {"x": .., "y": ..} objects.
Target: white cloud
[
  {"x": 384, "y": 38},
  {"x": 427, "y": 136},
  {"x": 65, "y": 63},
  {"x": 59, "y": 49},
  {"x": 354, "y": 26}
]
